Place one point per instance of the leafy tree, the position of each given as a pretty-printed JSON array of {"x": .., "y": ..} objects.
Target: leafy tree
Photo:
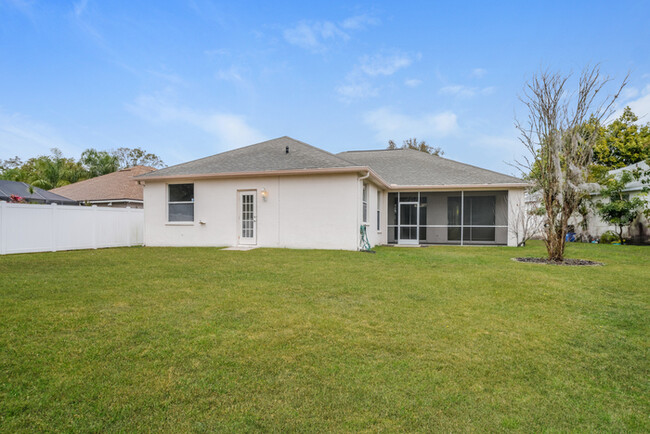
[
  {"x": 560, "y": 146},
  {"x": 98, "y": 163},
  {"x": 45, "y": 171},
  {"x": 51, "y": 171},
  {"x": 129, "y": 157},
  {"x": 622, "y": 142},
  {"x": 418, "y": 146},
  {"x": 11, "y": 169},
  {"x": 620, "y": 209}
]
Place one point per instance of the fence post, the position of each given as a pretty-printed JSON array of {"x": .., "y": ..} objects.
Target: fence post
[
  {"x": 129, "y": 217},
  {"x": 53, "y": 228},
  {"x": 3, "y": 228},
  {"x": 95, "y": 225}
]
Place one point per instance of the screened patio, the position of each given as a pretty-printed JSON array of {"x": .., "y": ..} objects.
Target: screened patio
[{"x": 453, "y": 217}]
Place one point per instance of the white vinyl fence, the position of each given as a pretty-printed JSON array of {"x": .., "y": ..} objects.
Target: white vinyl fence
[{"x": 47, "y": 228}]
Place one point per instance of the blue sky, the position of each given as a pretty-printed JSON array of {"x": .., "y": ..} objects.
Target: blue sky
[{"x": 187, "y": 79}]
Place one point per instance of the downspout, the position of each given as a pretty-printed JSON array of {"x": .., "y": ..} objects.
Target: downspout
[
  {"x": 359, "y": 222},
  {"x": 144, "y": 214}
]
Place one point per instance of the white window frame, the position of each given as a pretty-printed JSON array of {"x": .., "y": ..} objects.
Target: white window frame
[
  {"x": 378, "y": 210},
  {"x": 169, "y": 202},
  {"x": 364, "y": 203}
]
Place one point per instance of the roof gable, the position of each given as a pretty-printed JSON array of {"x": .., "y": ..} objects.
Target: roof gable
[{"x": 266, "y": 156}]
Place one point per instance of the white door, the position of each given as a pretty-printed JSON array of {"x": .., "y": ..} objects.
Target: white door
[{"x": 247, "y": 217}]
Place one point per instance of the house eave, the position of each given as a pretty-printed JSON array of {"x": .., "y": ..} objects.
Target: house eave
[
  {"x": 269, "y": 173},
  {"x": 450, "y": 187}
]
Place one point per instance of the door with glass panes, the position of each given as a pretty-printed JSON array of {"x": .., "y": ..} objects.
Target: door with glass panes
[{"x": 247, "y": 226}]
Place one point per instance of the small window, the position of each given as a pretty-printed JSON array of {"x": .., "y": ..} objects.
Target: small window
[
  {"x": 365, "y": 203},
  {"x": 378, "y": 210},
  {"x": 181, "y": 203}
]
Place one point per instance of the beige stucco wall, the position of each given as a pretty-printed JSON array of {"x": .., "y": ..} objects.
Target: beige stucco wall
[
  {"x": 516, "y": 208},
  {"x": 316, "y": 211}
]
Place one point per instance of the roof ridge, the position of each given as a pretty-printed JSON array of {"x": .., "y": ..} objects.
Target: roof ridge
[
  {"x": 319, "y": 149},
  {"x": 376, "y": 150}
]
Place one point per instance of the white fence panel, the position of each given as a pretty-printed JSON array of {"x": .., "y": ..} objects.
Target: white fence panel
[{"x": 41, "y": 228}]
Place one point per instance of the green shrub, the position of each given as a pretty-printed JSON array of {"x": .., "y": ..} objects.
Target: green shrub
[{"x": 609, "y": 237}]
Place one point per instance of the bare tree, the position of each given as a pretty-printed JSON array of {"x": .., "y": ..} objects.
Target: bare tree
[{"x": 559, "y": 143}]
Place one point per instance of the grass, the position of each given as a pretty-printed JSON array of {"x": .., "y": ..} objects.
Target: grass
[{"x": 441, "y": 338}]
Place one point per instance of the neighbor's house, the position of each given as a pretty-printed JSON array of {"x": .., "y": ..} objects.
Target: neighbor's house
[
  {"x": 118, "y": 189},
  {"x": 638, "y": 231},
  {"x": 31, "y": 194},
  {"x": 286, "y": 193}
]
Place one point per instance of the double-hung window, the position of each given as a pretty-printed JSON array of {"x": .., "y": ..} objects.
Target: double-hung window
[
  {"x": 181, "y": 203},
  {"x": 364, "y": 199}
]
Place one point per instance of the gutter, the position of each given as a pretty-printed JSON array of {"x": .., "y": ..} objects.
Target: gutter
[
  {"x": 450, "y": 187},
  {"x": 288, "y": 172}
]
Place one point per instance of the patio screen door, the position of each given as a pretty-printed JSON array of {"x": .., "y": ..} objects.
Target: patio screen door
[
  {"x": 408, "y": 223},
  {"x": 247, "y": 217}
]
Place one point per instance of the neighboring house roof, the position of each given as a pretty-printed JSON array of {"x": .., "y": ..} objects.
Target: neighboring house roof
[
  {"x": 7, "y": 188},
  {"x": 408, "y": 167},
  {"x": 637, "y": 184},
  {"x": 391, "y": 168},
  {"x": 269, "y": 156},
  {"x": 114, "y": 186}
]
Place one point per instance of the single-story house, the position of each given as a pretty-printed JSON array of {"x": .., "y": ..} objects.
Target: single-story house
[
  {"x": 286, "y": 193},
  {"x": 118, "y": 189},
  {"x": 31, "y": 194}
]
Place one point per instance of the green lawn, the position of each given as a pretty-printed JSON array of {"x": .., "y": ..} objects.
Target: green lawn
[{"x": 440, "y": 338}]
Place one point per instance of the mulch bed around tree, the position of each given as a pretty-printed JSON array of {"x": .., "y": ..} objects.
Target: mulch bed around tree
[{"x": 567, "y": 261}]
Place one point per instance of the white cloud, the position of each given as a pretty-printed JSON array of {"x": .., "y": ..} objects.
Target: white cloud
[
  {"x": 359, "y": 22},
  {"x": 478, "y": 72},
  {"x": 629, "y": 93},
  {"x": 233, "y": 74},
  {"x": 356, "y": 90},
  {"x": 358, "y": 84},
  {"x": 640, "y": 106},
  {"x": 168, "y": 77},
  {"x": 231, "y": 130},
  {"x": 314, "y": 35},
  {"x": 466, "y": 91},
  {"x": 412, "y": 82},
  {"x": 389, "y": 124},
  {"x": 382, "y": 64},
  {"x": 20, "y": 134}
]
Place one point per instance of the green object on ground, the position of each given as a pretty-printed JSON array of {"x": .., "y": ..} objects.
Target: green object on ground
[
  {"x": 435, "y": 339},
  {"x": 365, "y": 244}
]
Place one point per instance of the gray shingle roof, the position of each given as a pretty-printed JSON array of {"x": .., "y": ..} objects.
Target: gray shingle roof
[
  {"x": 261, "y": 157},
  {"x": 637, "y": 184},
  {"x": 410, "y": 167},
  {"x": 396, "y": 167},
  {"x": 7, "y": 188}
]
